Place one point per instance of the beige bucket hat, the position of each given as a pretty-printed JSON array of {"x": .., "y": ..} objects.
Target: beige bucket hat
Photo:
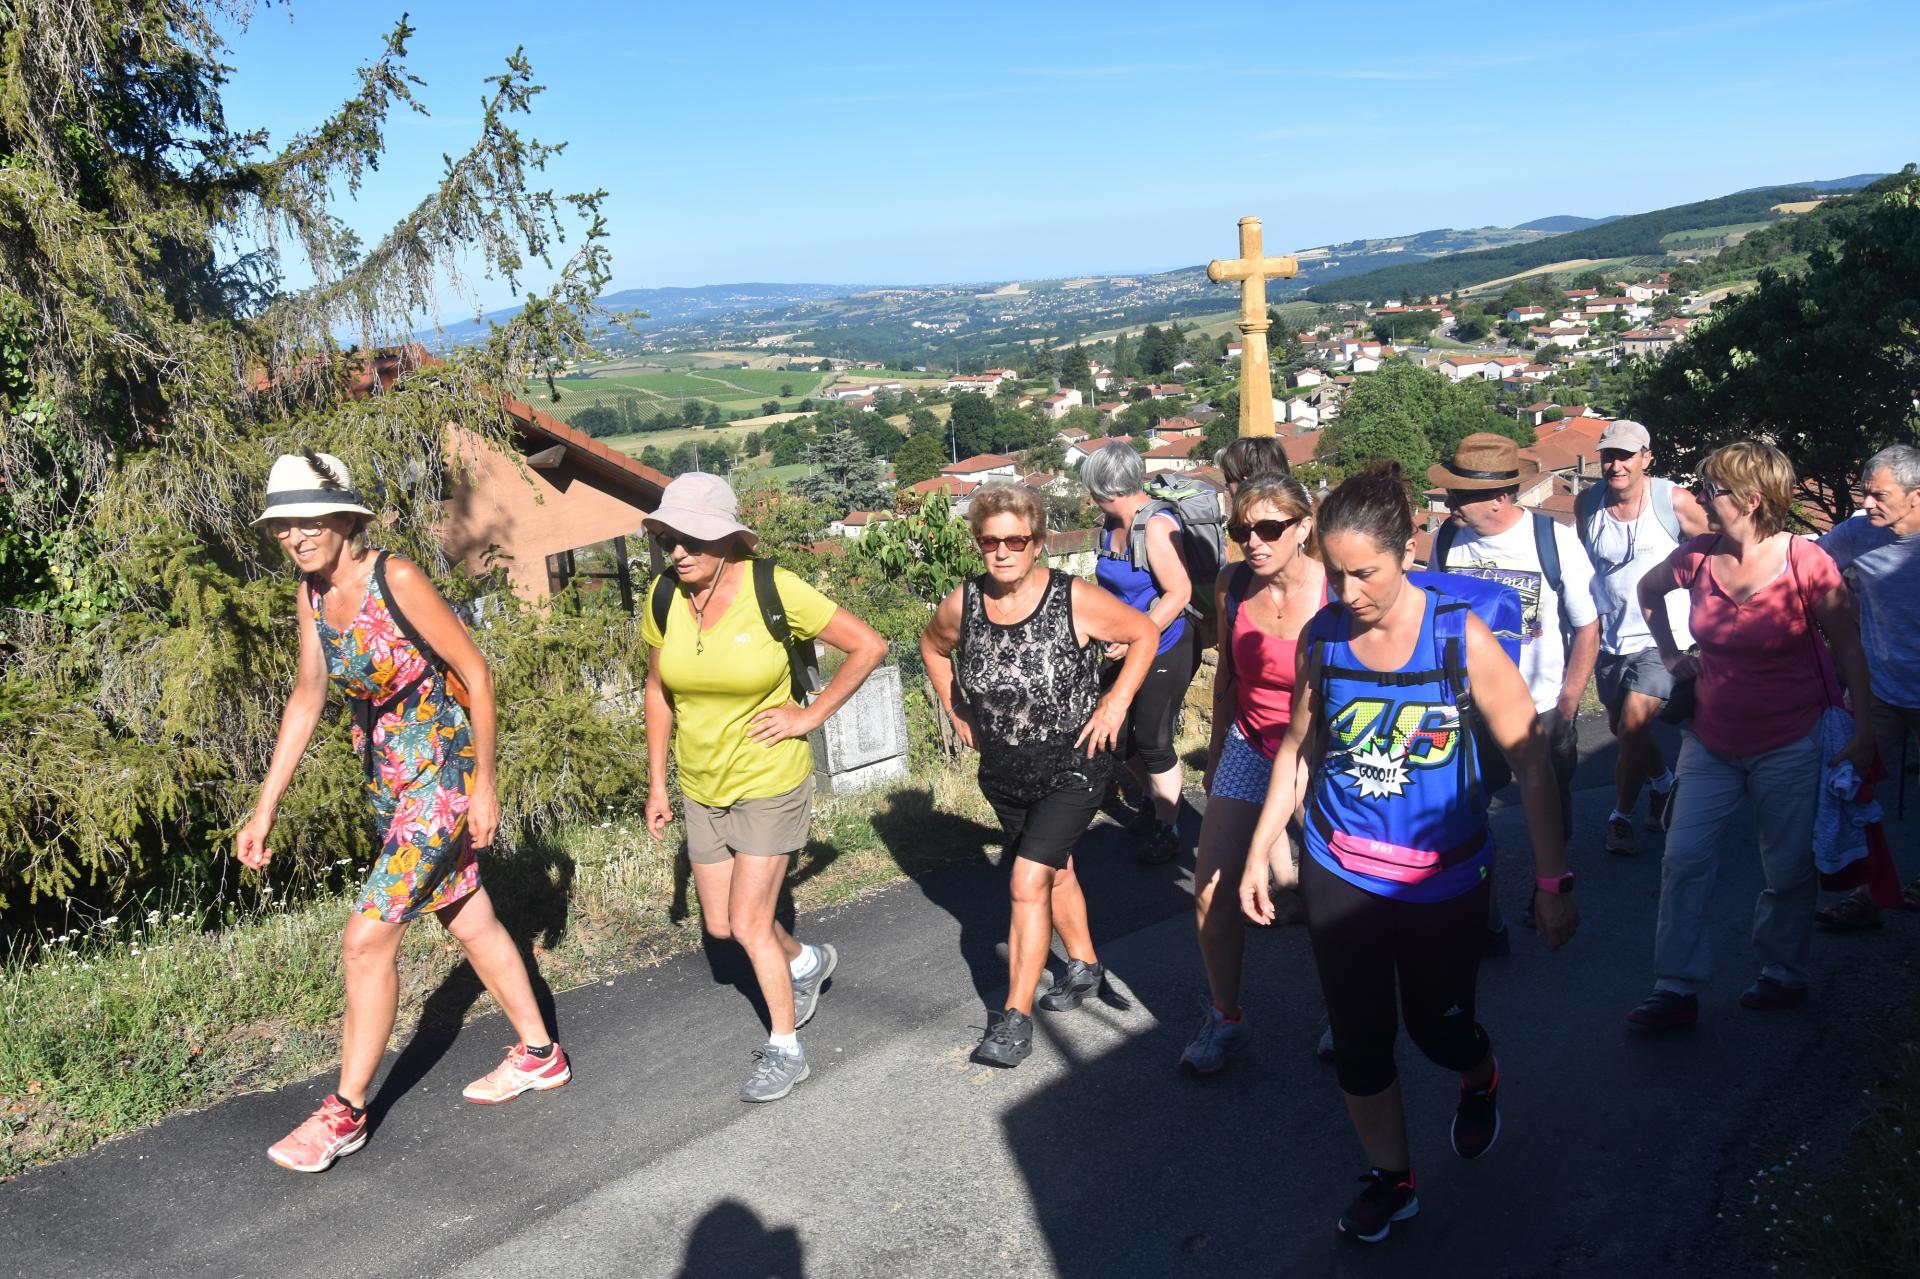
[{"x": 702, "y": 507}]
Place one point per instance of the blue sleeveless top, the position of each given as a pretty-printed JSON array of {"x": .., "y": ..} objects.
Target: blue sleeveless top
[
  {"x": 1134, "y": 587},
  {"x": 1394, "y": 807}
]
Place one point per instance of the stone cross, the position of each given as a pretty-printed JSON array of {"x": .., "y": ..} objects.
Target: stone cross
[{"x": 1252, "y": 268}]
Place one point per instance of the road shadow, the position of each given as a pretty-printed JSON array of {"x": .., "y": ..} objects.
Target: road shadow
[
  {"x": 530, "y": 888},
  {"x": 947, "y": 857},
  {"x": 731, "y": 1242}
]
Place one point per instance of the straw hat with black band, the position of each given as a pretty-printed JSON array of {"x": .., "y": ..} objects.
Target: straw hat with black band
[
  {"x": 1483, "y": 461},
  {"x": 308, "y": 484}
]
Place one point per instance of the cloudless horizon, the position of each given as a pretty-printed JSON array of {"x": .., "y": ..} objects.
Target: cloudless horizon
[{"x": 890, "y": 144}]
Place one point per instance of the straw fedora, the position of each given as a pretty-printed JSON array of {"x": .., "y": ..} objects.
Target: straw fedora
[
  {"x": 702, "y": 507},
  {"x": 309, "y": 484},
  {"x": 1483, "y": 461}
]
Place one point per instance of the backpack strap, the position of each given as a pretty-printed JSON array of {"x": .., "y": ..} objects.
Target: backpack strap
[
  {"x": 1663, "y": 512},
  {"x": 1236, "y": 587},
  {"x": 1137, "y": 531},
  {"x": 1546, "y": 545},
  {"x": 801, "y": 671},
  {"x": 660, "y": 602},
  {"x": 1442, "y": 543},
  {"x": 1585, "y": 508},
  {"x": 1450, "y": 630},
  {"x": 399, "y": 616}
]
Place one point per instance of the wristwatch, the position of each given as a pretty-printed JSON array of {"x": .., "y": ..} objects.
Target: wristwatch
[{"x": 1558, "y": 885}]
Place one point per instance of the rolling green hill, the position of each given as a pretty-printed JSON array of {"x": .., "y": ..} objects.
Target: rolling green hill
[{"x": 1634, "y": 236}]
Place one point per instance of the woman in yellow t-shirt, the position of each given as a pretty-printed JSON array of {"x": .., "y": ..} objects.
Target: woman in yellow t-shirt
[{"x": 719, "y": 689}]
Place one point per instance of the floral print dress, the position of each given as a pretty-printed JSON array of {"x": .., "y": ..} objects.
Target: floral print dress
[{"x": 420, "y": 760}]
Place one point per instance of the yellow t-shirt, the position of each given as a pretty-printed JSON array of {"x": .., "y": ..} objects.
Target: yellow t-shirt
[{"x": 720, "y": 680}]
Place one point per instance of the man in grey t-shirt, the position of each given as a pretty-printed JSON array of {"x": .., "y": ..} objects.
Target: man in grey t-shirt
[{"x": 1879, "y": 552}]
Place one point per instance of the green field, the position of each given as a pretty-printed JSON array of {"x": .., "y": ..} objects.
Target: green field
[
  {"x": 664, "y": 440},
  {"x": 734, "y": 390},
  {"x": 1680, "y": 239}
]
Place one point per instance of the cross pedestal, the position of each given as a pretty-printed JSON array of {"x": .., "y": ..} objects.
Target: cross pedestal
[{"x": 1253, "y": 269}]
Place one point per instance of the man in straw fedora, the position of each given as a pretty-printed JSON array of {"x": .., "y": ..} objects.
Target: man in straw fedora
[{"x": 1491, "y": 535}]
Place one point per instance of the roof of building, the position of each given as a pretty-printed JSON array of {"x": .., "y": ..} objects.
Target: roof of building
[
  {"x": 1181, "y": 447},
  {"x": 978, "y": 462},
  {"x": 949, "y": 484}
]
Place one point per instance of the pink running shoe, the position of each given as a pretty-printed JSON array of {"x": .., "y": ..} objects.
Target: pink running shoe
[
  {"x": 328, "y": 1133},
  {"x": 520, "y": 1072}
]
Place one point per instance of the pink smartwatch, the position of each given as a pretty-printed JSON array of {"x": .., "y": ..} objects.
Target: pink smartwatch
[{"x": 1558, "y": 885}]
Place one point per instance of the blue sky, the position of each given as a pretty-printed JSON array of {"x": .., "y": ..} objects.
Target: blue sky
[{"x": 919, "y": 143}]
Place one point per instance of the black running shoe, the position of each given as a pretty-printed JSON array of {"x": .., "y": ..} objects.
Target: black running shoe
[
  {"x": 1476, "y": 1124},
  {"x": 1007, "y": 1042},
  {"x": 1660, "y": 807},
  {"x": 1160, "y": 845},
  {"x": 1080, "y": 980},
  {"x": 1369, "y": 1217}
]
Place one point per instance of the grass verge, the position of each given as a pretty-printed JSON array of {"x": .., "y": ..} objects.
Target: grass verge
[{"x": 114, "y": 1028}]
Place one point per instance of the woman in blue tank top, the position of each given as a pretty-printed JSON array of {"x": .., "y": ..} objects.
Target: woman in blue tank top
[
  {"x": 1160, "y": 589},
  {"x": 1391, "y": 683}
]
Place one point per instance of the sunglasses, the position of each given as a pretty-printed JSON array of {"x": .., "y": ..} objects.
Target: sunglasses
[
  {"x": 988, "y": 545},
  {"x": 284, "y": 529},
  {"x": 1265, "y": 530},
  {"x": 696, "y": 546},
  {"x": 1707, "y": 492}
]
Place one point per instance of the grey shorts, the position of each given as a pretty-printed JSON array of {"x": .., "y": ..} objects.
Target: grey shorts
[
  {"x": 771, "y": 827},
  {"x": 1618, "y": 674}
]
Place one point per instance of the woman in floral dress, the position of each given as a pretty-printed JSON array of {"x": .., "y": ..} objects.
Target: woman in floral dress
[{"x": 376, "y": 627}]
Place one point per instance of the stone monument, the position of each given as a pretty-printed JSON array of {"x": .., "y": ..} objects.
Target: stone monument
[
  {"x": 865, "y": 743},
  {"x": 1253, "y": 268}
]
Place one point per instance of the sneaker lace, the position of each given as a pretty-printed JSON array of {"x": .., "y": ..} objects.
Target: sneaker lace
[
  {"x": 509, "y": 1063},
  {"x": 997, "y": 1029},
  {"x": 766, "y": 1062}
]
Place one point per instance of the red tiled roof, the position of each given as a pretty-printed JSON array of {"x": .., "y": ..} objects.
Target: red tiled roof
[
  {"x": 978, "y": 462},
  {"x": 944, "y": 484},
  {"x": 1180, "y": 448},
  {"x": 1300, "y": 448}
]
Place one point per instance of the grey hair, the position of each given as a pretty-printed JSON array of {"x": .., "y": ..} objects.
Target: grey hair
[
  {"x": 1902, "y": 461},
  {"x": 1113, "y": 471}
]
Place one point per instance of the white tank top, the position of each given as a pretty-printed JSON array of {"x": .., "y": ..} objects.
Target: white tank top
[{"x": 1623, "y": 551}]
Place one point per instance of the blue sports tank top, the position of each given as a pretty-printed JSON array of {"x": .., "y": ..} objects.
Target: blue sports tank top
[
  {"x": 1394, "y": 807},
  {"x": 1134, "y": 587}
]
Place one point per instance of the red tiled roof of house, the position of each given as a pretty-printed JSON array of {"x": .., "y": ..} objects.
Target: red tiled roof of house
[
  {"x": 944, "y": 484},
  {"x": 1090, "y": 447},
  {"x": 1180, "y": 448},
  {"x": 978, "y": 462},
  {"x": 1300, "y": 448}
]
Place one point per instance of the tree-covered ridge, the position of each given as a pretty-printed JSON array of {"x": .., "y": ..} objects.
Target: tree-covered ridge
[
  {"x": 152, "y": 365},
  {"x": 1635, "y": 236}
]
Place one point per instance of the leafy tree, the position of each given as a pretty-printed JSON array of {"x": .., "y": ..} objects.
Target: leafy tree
[
  {"x": 786, "y": 390},
  {"x": 149, "y": 373},
  {"x": 1390, "y": 433},
  {"x": 878, "y": 436},
  {"x": 1470, "y": 328},
  {"x": 713, "y": 415},
  {"x": 920, "y": 458},
  {"x": 1159, "y": 350},
  {"x": 599, "y": 420},
  {"x": 751, "y": 446},
  {"x": 1123, "y": 357},
  {"x": 790, "y": 450},
  {"x": 690, "y": 412},
  {"x": 972, "y": 424},
  {"x": 804, "y": 406},
  {"x": 1405, "y": 324},
  {"x": 1822, "y": 365},
  {"x": 769, "y": 408},
  {"x": 845, "y": 476},
  {"x": 1075, "y": 369},
  {"x": 1044, "y": 362},
  {"x": 923, "y": 422},
  {"x": 929, "y": 549}
]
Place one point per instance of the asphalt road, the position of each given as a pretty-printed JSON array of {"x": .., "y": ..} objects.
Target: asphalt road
[{"x": 1097, "y": 1157}]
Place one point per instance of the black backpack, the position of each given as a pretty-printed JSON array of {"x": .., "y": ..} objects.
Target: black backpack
[{"x": 802, "y": 666}]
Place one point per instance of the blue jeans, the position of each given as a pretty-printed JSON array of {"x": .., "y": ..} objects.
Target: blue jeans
[{"x": 1781, "y": 787}]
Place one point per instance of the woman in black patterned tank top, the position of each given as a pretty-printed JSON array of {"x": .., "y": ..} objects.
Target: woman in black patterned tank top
[{"x": 1014, "y": 655}]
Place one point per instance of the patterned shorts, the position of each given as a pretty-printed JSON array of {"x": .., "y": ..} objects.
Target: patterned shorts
[{"x": 1242, "y": 772}]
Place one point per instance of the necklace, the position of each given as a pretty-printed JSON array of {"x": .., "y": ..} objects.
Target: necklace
[
  {"x": 1012, "y": 602},
  {"x": 700, "y": 611}
]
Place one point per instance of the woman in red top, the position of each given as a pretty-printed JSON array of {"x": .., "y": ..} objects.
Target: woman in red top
[
  {"x": 1757, "y": 593},
  {"x": 1264, "y": 605}
]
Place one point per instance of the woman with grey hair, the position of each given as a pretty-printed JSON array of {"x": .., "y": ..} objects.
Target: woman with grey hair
[{"x": 1161, "y": 587}]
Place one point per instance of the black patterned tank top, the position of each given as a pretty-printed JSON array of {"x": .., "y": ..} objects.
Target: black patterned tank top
[{"x": 1030, "y": 688}]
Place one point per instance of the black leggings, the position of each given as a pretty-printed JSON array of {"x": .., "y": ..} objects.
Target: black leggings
[
  {"x": 1361, "y": 943},
  {"x": 1155, "y": 712}
]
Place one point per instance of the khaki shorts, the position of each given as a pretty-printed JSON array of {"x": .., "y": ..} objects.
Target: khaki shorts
[{"x": 771, "y": 827}]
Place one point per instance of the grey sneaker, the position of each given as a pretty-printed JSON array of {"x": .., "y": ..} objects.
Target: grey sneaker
[
  {"x": 1007, "y": 1042},
  {"x": 1213, "y": 1039},
  {"x": 806, "y": 990},
  {"x": 1080, "y": 980},
  {"x": 1620, "y": 836},
  {"x": 775, "y": 1072}
]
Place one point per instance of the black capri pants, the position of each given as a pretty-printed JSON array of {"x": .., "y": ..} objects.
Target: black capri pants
[
  {"x": 1155, "y": 712},
  {"x": 1365, "y": 945}
]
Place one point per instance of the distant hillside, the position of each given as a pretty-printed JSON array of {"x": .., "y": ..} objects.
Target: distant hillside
[
  {"x": 1853, "y": 183},
  {"x": 670, "y": 306},
  {"x": 1563, "y": 222},
  {"x": 1634, "y": 236}
]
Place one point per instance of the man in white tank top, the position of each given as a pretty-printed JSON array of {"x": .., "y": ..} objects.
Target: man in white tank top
[{"x": 1629, "y": 522}]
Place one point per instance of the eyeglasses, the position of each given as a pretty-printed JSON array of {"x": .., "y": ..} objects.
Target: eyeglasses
[
  {"x": 284, "y": 529},
  {"x": 1266, "y": 530},
  {"x": 988, "y": 545},
  {"x": 1706, "y": 492},
  {"x": 1609, "y": 566},
  {"x": 694, "y": 545}
]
